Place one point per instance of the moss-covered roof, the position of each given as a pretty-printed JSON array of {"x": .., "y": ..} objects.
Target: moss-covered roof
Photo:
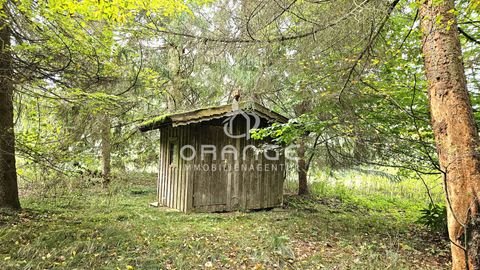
[{"x": 209, "y": 113}]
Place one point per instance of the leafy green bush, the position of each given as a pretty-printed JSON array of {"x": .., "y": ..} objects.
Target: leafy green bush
[{"x": 434, "y": 217}]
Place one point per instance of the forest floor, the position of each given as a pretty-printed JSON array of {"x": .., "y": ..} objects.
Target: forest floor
[{"x": 116, "y": 229}]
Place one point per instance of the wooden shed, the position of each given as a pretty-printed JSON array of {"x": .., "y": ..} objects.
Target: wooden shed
[{"x": 209, "y": 163}]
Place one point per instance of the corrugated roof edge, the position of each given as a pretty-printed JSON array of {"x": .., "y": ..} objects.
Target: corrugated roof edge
[{"x": 207, "y": 114}]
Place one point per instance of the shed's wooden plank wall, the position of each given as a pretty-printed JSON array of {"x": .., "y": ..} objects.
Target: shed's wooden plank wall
[
  {"x": 209, "y": 185},
  {"x": 183, "y": 187},
  {"x": 172, "y": 180}
]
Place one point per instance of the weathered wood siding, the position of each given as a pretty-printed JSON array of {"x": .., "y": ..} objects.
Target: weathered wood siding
[
  {"x": 234, "y": 183},
  {"x": 209, "y": 180},
  {"x": 172, "y": 177}
]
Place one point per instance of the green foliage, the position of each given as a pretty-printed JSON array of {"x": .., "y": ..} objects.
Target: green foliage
[
  {"x": 280, "y": 244},
  {"x": 79, "y": 63},
  {"x": 373, "y": 191},
  {"x": 434, "y": 217}
]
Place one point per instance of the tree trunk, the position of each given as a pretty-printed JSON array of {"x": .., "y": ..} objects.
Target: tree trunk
[
  {"x": 300, "y": 109},
  {"x": 106, "y": 149},
  {"x": 175, "y": 97},
  {"x": 8, "y": 174},
  {"x": 454, "y": 128},
  {"x": 302, "y": 168}
]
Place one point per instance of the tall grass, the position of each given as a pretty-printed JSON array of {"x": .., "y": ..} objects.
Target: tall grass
[
  {"x": 373, "y": 189},
  {"x": 90, "y": 227}
]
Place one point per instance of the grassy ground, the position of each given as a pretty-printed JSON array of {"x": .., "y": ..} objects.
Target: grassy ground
[{"x": 116, "y": 229}]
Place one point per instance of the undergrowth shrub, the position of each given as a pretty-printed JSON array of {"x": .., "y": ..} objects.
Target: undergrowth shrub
[{"x": 434, "y": 217}]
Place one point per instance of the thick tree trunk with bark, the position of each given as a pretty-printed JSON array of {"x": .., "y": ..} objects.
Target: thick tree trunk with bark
[
  {"x": 8, "y": 174},
  {"x": 454, "y": 128},
  {"x": 106, "y": 149}
]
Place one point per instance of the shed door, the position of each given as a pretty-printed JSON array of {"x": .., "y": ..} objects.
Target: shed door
[{"x": 210, "y": 181}]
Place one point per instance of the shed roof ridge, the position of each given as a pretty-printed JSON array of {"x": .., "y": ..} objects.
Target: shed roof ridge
[{"x": 207, "y": 114}]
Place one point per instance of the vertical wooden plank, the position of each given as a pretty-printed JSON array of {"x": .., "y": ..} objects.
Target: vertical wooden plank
[
  {"x": 258, "y": 177},
  {"x": 191, "y": 173},
  {"x": 238, "y": 176},
  {"x": 167, "y": 169},
  {"x": 271, "y": 183},
  {"x": 169, "y": 172},
  {"x": 227, "y": 181},
  {"x": 181, "y": 168},
  {"x": 260, "y": 180},
  {"x": 188, "y": 140},
  {"x": 198, "y": 188},
  {"x": 213, "y": 179},
  {"x": 230, "y": 161},
  {"x": 181, "y": 189},
  {"x": 246, "y": 177},
  {"x": 268, "y": 184},
  {"x": 271, "y": 186},
  {"x": 160, "y": 166},
  {"x": 175, "y": 171},
  {"x": 235, "y": 176},
  {"x": 263, "y": 182},
  {"x": 254, "y": 188},
  {"x": 273, "y": 179},
  {"x": 242, "y": 174},
  {"x": 159, "y": 180},
  {"x": 209, "y": 177},
  {"x": 245, "y": 174},
  {"x": 184, "y": 173},
  {"x": 164, "y": 161},
  {"x": 218, "y": 181},
  {"x": 278, "y": 182},
  {"x": 282, "y": 178},
  {"x": 199, "y": 185},
  {"x": 162, "y": 169},
  {"x": 207, "y": 174},
  {"x": 177, "y": 168}
]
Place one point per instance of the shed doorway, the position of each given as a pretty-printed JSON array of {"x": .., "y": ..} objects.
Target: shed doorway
[{"x": 210, "y": 178}]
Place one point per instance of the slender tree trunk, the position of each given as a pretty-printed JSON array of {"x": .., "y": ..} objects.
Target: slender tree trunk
[
  {"x": 8, "y": 174},
  {"x": 454, "y": 128},
  {"x": 106, "y": 149},
  {"x": 175, "y": 98},
  {"x": 302, "y": 168},
  {"x": 300, "y": 109}
]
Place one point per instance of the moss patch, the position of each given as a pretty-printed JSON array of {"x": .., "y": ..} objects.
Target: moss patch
[{"x": 154, "y": 122}]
